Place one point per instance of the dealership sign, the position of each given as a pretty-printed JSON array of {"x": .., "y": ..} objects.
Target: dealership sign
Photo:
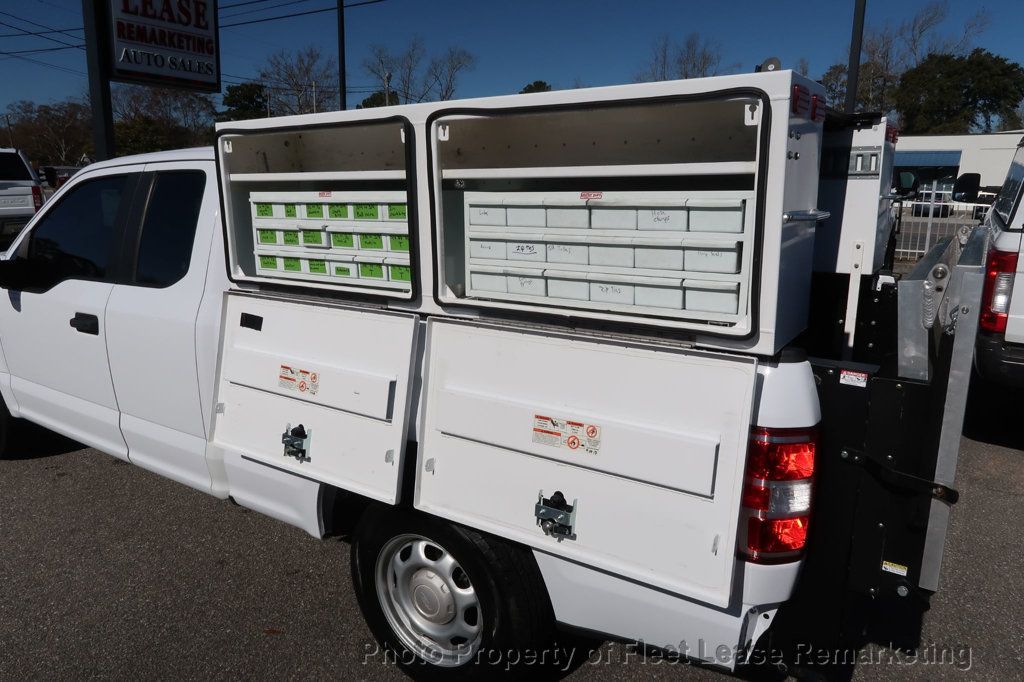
[{"x": 165, "y": 42}]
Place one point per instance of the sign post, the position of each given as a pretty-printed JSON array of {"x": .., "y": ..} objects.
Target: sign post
[
  {"x": 99, "y": 79},
  {"x": 148, "y": 42}
]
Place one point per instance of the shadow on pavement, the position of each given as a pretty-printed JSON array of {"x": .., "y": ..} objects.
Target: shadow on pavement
[
  {"x": 29, "y": 441},
  {"x": 994, "y": 414}
]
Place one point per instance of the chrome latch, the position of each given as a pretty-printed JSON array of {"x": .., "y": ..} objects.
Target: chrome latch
[
  {"x": 555, "y": 517},
  {"x": 296, "y": 442}
]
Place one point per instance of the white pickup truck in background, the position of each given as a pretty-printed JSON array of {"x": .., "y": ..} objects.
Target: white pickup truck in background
[
  {"x": 546, "y": 354},
  {"x": 21, "y": 194}
]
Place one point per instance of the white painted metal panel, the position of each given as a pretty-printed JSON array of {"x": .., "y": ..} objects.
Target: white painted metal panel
[
  {"x": 656, "y": 468},
  {"x": 343, "y": 373}
]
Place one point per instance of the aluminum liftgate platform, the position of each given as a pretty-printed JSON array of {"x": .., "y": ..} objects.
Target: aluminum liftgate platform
[{"x": 889, "y": 441}]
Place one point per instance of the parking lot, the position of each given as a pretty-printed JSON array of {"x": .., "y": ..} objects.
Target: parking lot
[{"x": 110, "y": 571}]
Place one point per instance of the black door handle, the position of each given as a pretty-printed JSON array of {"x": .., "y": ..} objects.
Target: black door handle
[{"x": 85, "y": 323}]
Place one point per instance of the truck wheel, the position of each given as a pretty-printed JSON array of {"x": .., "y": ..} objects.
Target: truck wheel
[{"x": 445, "y": 601}]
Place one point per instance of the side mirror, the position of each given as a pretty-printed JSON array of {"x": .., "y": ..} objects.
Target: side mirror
[
  {"x": 966, "y": 188},
  {"x": 50, "y": 173},
  {"x": 19, "y": 275},
  {"x": 907, "y": 184}
]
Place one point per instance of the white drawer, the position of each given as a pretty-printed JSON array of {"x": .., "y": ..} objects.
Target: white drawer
[
  {"x": 725, "y": 259},
  {"x": 611, "y": 292},
  {"x": 525, "y": 251},
  {"x": 567, "y": 253},
  {"x": 483, "y": 248},
  {"x": 711, "y": 297},
  {"x": 486, "y": 215},
  {"x": 660, "y": 258},
  {"x": 716, "y": 218},
  {"x": 619, "y": 256},
  {"x": 521, "y": 216},
  {"x": 485, "y": 281},
  {"x": 662, "y": 219},
  {"x": 575, "y": 289},
  {"x": 613, "y": 218},
  {"x": 569, "y": 217},
  {"x": 659, "y": 297},
  {"x": 527, "y": 285}
]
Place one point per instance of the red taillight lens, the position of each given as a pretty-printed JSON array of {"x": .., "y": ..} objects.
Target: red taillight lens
[
  {"x": 37, "y": 197},
  {"x": 780, "y": 454},
  {"x": 801, "y": 100},
  {"x": 775, "y": 536},
  {"x": 995, "y": 295},
  {"x": 777, "y": 493}
]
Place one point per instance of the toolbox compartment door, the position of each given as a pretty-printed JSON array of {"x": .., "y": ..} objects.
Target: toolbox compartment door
[
  {"x": 343, "y": 373},
  {"x": 649, "y": 442}
]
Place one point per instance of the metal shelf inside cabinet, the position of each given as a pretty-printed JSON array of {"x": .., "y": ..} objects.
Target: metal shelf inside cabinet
[
  {"x": 582, "y": 272},
  {"x": 713, "y": 168},
  {"x": 318, "y": 176},
  {"x": 315, "y": 282}
]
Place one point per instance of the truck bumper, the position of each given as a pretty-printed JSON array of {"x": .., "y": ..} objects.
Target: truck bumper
[{"x": 998, "y": 360}]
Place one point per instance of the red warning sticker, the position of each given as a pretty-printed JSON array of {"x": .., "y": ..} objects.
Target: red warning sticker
[
  {"x": 566, "y": 433},
  {"x": 302, "y": 380}
]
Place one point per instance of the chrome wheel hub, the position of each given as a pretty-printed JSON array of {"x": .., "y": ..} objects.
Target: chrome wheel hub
[{"x": 428, "y": 600}]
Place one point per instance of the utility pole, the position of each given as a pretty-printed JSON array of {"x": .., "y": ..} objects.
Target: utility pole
[
  {"x": 10, "y": 133},
  {"x": 96, "y": 55},
  {"x": 853, "y": 67},
  {"x": 341, "y": 56}
]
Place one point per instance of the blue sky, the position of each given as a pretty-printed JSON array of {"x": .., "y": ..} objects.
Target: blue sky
[{"x": 593, "y": 42}]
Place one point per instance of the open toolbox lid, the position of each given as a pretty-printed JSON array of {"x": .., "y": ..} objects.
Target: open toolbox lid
[{"x": 684, "y": 208}]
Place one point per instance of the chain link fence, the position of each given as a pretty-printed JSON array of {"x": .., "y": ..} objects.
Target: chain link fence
[{"x": 931, "y": 217}]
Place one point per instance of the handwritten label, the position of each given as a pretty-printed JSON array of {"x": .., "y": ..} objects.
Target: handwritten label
[
  {"x": 264, "y": 210},
  {"x": 366, "y": 211},
  {"x": 318, "y": 267},
  {"x": 396, "y": 211},
  {"x": 371, "y": 241},
  {"x": 342, "y": 271},
  {"x": 314, "y": 210},
  {"x": 401, "y": 273},
  {"x": 289, "y": 211},
  {"x": 312, "y": 237},
  {"x": 291, "y": 238},
  {"x": 292, "y": 265},
  {"x": 399, "y": 243},
  {"x": 268, "y": 237},
  {"x": 342, "y": 240},
  {"x": 371, "y": 270},
  {"x": 268, "y": 262},
  {"x": 337, "y": 210}
]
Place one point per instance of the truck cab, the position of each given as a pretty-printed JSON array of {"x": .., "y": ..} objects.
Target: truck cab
[{"x": 21, "y": 194}]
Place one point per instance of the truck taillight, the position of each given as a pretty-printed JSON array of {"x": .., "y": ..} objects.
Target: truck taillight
[
  {"x": 777, "y": 494},
  {"x": 995, "y": 295},
  {"x": 37, "y": 197}
]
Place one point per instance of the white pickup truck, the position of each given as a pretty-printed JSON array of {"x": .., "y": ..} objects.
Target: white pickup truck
[
  {"x": 542, "y": 352},
  {"x": 21, "y": 194}
]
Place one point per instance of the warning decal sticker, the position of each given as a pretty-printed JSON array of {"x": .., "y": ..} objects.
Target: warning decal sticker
[
  {"x": 566, "y": 433},
  {"x": 852, "y": 378},
  {"x": 893, "y": 567},
  {"x": 301, "y": 380}
]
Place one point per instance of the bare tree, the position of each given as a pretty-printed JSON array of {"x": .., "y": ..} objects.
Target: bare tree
[
  {"x": 697, "y": 58},
  {"x": 444, "y": 70},
  {"x": 803, "y": 66},
  {"x": 694, "y": 58},
  {"x": 919, "y": 35},
  {"x": 405, "y": 74},
  {"x": 300, "y": 82}
]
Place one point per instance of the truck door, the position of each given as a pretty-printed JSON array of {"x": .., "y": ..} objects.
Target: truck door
[
  {"x": 54, "y": 336},
  {"x": 151, "y": 318}
]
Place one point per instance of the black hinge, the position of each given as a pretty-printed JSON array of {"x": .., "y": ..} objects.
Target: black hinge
[{"x": 884, "y": 471}]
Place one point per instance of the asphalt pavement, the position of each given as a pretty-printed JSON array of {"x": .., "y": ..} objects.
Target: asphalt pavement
[{"x": 108, "y": 571}]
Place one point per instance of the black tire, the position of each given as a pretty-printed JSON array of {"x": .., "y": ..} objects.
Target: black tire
[{"x": 517, "y": 623}]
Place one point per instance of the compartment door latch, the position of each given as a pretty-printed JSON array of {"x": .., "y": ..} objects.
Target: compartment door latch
[
  {"x": 555, "y": 517},
  {"x": 296, "y": 442}
]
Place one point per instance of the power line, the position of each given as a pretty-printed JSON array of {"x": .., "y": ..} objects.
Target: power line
[
  {"x": 35, "y": 23},
  {"x": 48, "y": 64},
  {"x": 39, "y": 33},
  {"x": 301, "y": 14},
  {"x": 41, "y": 49},
  {"x": 264, "y": 9}
]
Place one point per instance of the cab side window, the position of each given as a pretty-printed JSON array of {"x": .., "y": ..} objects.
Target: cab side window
[
  {"x": 169, "y": 227},
  {"x": 77, "y": 238}
]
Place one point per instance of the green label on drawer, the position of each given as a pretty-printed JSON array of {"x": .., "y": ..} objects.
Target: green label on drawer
[
  {"x": 366, "y": 211},
  {"x": 312, "y": 237},
  {"x": 268, "y": 237},
  {"x": 318, "y": 267},
  {"x": 289, "y": 211},
  {"x": 396, "y": 211},
  {"x": 371, "y": 241},
  {"x": 264, "y": 210},
  {"x": 291, "y": 238},
  {"x": 401, "y": 273},
  {"x": 268, "y": 262},
  {"x": 342, "y": 240},
  {"x": 337, "y": 210},
  {"x": 371, "y": 270},
  {"x": 314, "y": 210},
  {"x": 399, "y": 243},
  {"x": 293, "y": 265},
  {"x": 342, "y": 271}
]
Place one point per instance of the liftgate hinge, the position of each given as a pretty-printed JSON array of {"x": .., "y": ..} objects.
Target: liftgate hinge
[
  {"x": 296, "y": 442},
  {"x": 555, "y": 517},
  {"x": 885, "y": 472}
]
